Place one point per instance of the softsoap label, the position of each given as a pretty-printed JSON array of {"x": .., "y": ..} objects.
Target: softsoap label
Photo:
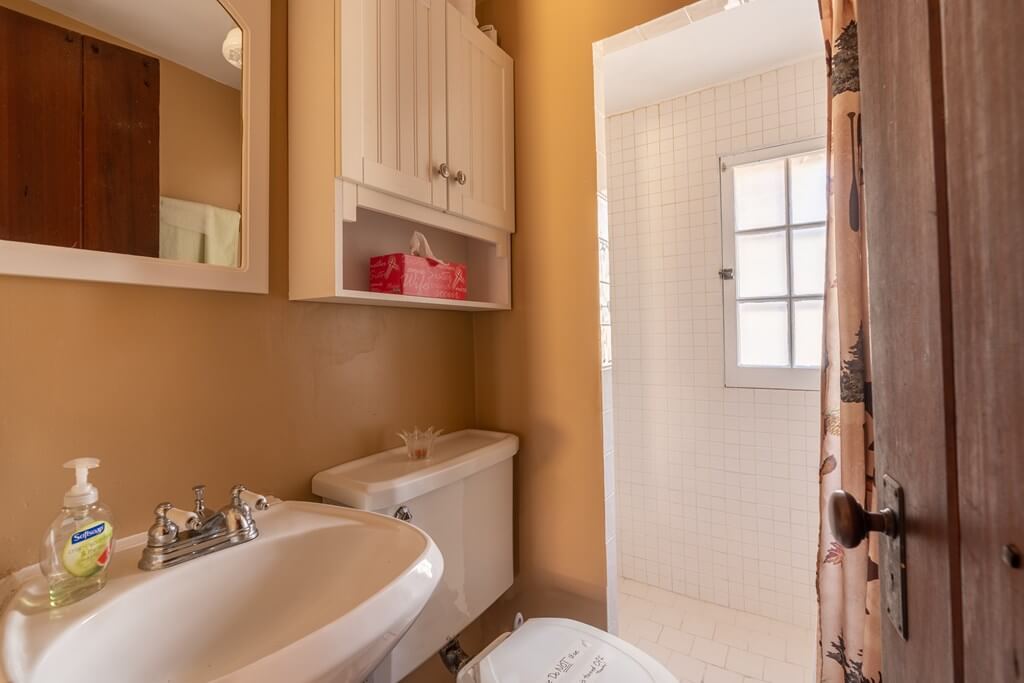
[
  {"x": 579, "y": 665},
  {"x": 88, "y": 549}
]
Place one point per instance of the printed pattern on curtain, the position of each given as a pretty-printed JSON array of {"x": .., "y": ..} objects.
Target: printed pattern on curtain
[{"x": 848, "y": 585}]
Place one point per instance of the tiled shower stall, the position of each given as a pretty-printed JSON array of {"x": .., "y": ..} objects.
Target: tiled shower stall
[{"x": 715, "y": 488}]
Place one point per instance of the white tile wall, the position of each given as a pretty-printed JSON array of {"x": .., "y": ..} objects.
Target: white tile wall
[{"x": 716, "y": 487}]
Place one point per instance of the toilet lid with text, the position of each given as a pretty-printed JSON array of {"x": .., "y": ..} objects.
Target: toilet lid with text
[{"x": 566, "y": 651}]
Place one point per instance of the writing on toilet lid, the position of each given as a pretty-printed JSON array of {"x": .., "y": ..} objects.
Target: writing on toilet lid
[{"x": 583, "y": 662}]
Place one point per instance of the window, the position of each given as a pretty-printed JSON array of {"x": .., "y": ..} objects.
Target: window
[{"x": 773, "y": 245}]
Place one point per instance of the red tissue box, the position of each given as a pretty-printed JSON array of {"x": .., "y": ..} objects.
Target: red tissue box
[{"x": 417, "y": 276}]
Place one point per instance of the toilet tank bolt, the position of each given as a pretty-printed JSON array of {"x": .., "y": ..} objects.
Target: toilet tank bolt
[{"x": 453, "y": 656}]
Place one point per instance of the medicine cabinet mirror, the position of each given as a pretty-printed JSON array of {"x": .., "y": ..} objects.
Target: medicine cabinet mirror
[{"x": 134, "y": 141}]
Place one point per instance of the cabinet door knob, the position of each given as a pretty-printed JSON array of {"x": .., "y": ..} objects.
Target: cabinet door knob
[
  {"x": 461, "y": 178},
  {"x": 443, "y": 171}
]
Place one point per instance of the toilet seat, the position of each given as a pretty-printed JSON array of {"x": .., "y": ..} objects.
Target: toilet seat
[{"x": 562, "y": 651}]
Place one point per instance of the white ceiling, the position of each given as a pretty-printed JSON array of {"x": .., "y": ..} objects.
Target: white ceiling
[
  {"x": 189, "y": 32},
  {"x": 688, "y": 51}
]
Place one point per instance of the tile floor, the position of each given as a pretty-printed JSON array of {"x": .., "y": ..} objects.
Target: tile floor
[{"x": 705, "y": 643}]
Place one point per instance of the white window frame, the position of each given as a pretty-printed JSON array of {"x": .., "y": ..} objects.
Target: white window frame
[{"x": 799, "y": 379}]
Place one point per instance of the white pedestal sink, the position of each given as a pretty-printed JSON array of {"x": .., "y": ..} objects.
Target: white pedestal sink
[{"x": 321, "y": 596}]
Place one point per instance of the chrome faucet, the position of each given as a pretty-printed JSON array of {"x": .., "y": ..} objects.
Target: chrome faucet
[{"x": 168, "y": 545}]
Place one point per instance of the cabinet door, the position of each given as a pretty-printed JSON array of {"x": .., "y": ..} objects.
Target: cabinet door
[
  {"x": 480, "y": 126},
  {"x": 403, "y": 98},
  {"x": 120, "y": 149},
  {"x": 40, "y": 132}
]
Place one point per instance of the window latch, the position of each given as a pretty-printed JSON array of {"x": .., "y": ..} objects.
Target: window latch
[{"x": 726, "y": 274}]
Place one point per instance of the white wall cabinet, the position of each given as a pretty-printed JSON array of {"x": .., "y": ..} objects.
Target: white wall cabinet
[{"x": 400, "y": 119}]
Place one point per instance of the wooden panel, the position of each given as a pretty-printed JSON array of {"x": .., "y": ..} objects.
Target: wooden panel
[
  {"x": 908, "y": 264},
  {"x": 404, "y": 107},
  {"x": 985, "y": 88},
  {"x": 121, "y": 149},
  {"x": 480, "y": 121},
  {"x": 40, "y": 132}
]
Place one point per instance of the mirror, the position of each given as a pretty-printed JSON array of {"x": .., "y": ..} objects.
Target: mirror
[{"x": 121, "y": 131}]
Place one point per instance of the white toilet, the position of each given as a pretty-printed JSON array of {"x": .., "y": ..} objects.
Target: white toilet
[{"x": 462, "y": 497}]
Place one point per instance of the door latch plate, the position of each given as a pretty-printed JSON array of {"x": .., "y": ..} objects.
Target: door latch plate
[{"x": 894, "y": 558}]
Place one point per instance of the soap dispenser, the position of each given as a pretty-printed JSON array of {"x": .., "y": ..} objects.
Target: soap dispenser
[{"x": 77, "y": 548}]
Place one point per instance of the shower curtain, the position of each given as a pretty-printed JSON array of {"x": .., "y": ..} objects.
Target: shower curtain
[{"x": 849, "y": 643}]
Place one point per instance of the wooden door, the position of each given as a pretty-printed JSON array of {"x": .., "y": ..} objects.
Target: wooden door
[
  {"x": 908, "y": 263},
  {"x": 943, "y": 169},
  {"x": 984, "y": 137},
  {"x": 480, "y": 126},
  {"x": 120, "y": 149},
  {"x": 403, "y": 134},
  {"x": 40, "y": 132}
]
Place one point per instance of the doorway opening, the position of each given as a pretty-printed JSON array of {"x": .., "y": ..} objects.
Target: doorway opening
[{"x": 711, "y": 204}]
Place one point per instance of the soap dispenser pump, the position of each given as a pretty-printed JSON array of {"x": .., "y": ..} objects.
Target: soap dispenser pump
[{"x": 77, "y": 548}]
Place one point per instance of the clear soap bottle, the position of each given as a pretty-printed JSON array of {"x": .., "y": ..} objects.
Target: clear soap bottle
[{"x": 76, "y": 551}]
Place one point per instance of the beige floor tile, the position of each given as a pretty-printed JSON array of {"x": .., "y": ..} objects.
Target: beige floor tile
[
  {"x": 636, "y": 629},
  {"x": 686, "y": 667},
  {"x": 699, "y": 625},
  {"x": 704, "y": 643},
  {"x": 676, "y": 640},
  {"x": 732, "y": 635},
  {"x": 768, "y": 645},
  {"x": 667, "y": 615},
  {"x": 746, "y": 663},
  {"x": 783, "y": 672},
  {"x": 709, "y": 651},
  {"x": 715, "y": 674},
  {"x": 656, "y": 650}
]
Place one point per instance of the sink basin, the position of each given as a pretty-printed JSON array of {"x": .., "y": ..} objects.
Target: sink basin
[{"x": 322, "y": 594}]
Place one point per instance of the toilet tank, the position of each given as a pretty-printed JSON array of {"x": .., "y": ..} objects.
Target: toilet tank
[{"x": 462, "y": 498}]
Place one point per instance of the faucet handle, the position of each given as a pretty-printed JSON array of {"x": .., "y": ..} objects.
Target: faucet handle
[
  {"x": 163, "y": 531},
  {"x": 200, "y": 492},
  {"x": 237, "y": 513},
  {"x": 239, "y": 503}
]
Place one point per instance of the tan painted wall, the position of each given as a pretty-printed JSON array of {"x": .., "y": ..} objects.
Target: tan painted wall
[
  {"x": 538, "y": 366},
  {"x": 200, "y": 138},
  {"x": 200, "y": 124},
  {"x": 175, "y": 387}
]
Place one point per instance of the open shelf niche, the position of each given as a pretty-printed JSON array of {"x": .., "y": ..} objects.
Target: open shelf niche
[{"x": 375, "y": 234}]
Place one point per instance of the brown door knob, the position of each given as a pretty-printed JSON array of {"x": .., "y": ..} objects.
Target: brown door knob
[{"x": 851, "y": 523}]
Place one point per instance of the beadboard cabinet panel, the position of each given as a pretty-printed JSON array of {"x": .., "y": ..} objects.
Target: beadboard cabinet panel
[
  {"x": 403, "y": 114},
  {"x": 480, "y": 126}
]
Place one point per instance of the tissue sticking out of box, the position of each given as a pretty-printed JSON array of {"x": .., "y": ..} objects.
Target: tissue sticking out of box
[{"x": 419, "y": 246}]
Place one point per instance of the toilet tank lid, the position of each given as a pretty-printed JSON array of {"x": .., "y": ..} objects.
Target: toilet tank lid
[{"x": 390, "y": 477}]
